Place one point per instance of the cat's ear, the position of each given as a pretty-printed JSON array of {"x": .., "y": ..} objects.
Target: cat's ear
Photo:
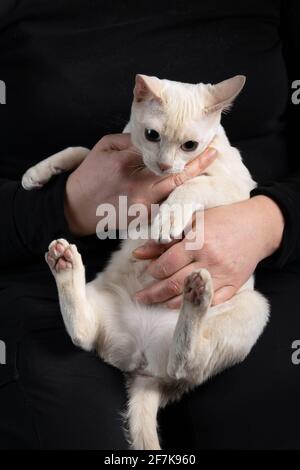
[
  {"x": 147, "y": 88},
  {"x": 222, "y": 95}
]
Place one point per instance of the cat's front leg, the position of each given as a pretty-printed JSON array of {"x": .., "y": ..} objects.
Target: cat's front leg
[
  {"x": 38, "y": 175},
  {"x": 200, "y": 193},
  {"x": 80, "y": 319},
  {"x": 175, "y": 214}
]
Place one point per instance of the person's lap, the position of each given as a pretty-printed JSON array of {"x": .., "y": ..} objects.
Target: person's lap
[
  {"x": 254, "y": 405},
  {"x": 72, "y": 400},
  {"x": 65, "y": 398},
  {"x": 53, "y": 395}
]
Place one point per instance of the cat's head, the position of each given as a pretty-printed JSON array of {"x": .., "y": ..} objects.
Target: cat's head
[{"x": 172, "y": 122}]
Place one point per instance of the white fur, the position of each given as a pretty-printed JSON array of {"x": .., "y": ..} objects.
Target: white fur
[
  {"x": 163, "y": 350},
  {"x": 38, "y": 175}
]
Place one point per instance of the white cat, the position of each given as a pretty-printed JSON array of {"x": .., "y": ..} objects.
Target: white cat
[{"x": 163, "y": 353}]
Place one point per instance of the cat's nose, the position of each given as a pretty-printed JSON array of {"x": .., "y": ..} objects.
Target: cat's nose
[{"x": 164, "y": 166}]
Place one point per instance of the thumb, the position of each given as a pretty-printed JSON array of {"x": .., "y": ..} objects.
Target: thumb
[
  {"x": 200, "y": 163},
  {"x": 163, "y": 187},
  {"x": 223, "y": 294}
]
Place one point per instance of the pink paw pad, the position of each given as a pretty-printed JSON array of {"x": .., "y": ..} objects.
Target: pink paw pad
[
  {"x": 60, "y": 257},
  {"x": 194, "y": 288}
]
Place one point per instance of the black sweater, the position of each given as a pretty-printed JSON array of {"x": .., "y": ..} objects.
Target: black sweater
[{"x": 69, "y": 68}]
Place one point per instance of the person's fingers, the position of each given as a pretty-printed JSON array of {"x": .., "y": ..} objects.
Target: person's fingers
[
  {"x": 163, "y": 187},
  {"x": 167, "y": 289},
  {"x": 174, "y": 304},
  {"x": 223, "y": 294},
  {"x": 199, "y": 164},
  {"x": 171, "y": 261},
  {"x": 150, "y": 250}
]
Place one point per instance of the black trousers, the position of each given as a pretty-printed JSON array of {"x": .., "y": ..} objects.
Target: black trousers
[{"x": 55, "y": 396}]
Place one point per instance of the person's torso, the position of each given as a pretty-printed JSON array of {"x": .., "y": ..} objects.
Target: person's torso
[{"x": 69, "y": 69}]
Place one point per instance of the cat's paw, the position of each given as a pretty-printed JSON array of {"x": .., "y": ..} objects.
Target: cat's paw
[
  {"x": 62, "y": 257},
  {"x": 37, "y": 176},
  {"x": 171, "y": 222},
  {"x": 198, "y": 289},
  {"x": 33, "y": 179}
]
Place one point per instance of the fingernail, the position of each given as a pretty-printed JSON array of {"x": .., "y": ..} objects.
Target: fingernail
[
  {"x": 140, "y": 250},
  {"x": 139, "y": 298},
  {"x": 171, "y": 307}
]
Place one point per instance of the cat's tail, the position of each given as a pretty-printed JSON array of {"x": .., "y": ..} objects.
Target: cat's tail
[{"x": 144, "y": 400}]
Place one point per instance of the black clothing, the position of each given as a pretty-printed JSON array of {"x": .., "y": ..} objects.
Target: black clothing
[{"x": 69, "y": 69}]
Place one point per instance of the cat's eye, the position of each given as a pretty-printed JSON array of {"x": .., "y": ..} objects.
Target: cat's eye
[
  {"x": 189, "y": 146},
  {"x": 152, "y": 135}
]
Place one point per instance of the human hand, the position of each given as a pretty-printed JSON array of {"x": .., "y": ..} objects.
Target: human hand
[
  {"x": 236, "y": 238},
  {"x": 113, "y": 168}
]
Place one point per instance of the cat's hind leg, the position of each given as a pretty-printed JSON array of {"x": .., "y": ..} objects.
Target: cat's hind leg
[
  {"x": 38, "y": 175},
  {"x": 81, "y": 320},
  {"x": 197, "y": 297},
  {"x": 205, "y": 343}
]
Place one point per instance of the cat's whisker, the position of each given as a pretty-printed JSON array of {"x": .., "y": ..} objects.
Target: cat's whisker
[
  {"x": 136, "y": 152},
  {"x": 136, "y": 168},
  {"x": 134, "y": 171}
]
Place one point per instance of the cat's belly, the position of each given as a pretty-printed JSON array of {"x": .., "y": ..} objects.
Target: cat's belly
[{"x": 142, "y": 339}]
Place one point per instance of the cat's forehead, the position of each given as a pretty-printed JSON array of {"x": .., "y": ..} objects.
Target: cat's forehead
[
  {"x": 183, "y": 108},
  {"x": 183, "y": 92},
  {"x": 177, "y": 120}
]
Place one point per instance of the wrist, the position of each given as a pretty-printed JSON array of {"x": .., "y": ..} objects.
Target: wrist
[
  {"x": 74, "y": 208},
  {"x": 270, "y": 222}
]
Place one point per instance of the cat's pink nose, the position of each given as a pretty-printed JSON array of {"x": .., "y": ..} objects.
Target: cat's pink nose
[{"x": 164, "y": 166}]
